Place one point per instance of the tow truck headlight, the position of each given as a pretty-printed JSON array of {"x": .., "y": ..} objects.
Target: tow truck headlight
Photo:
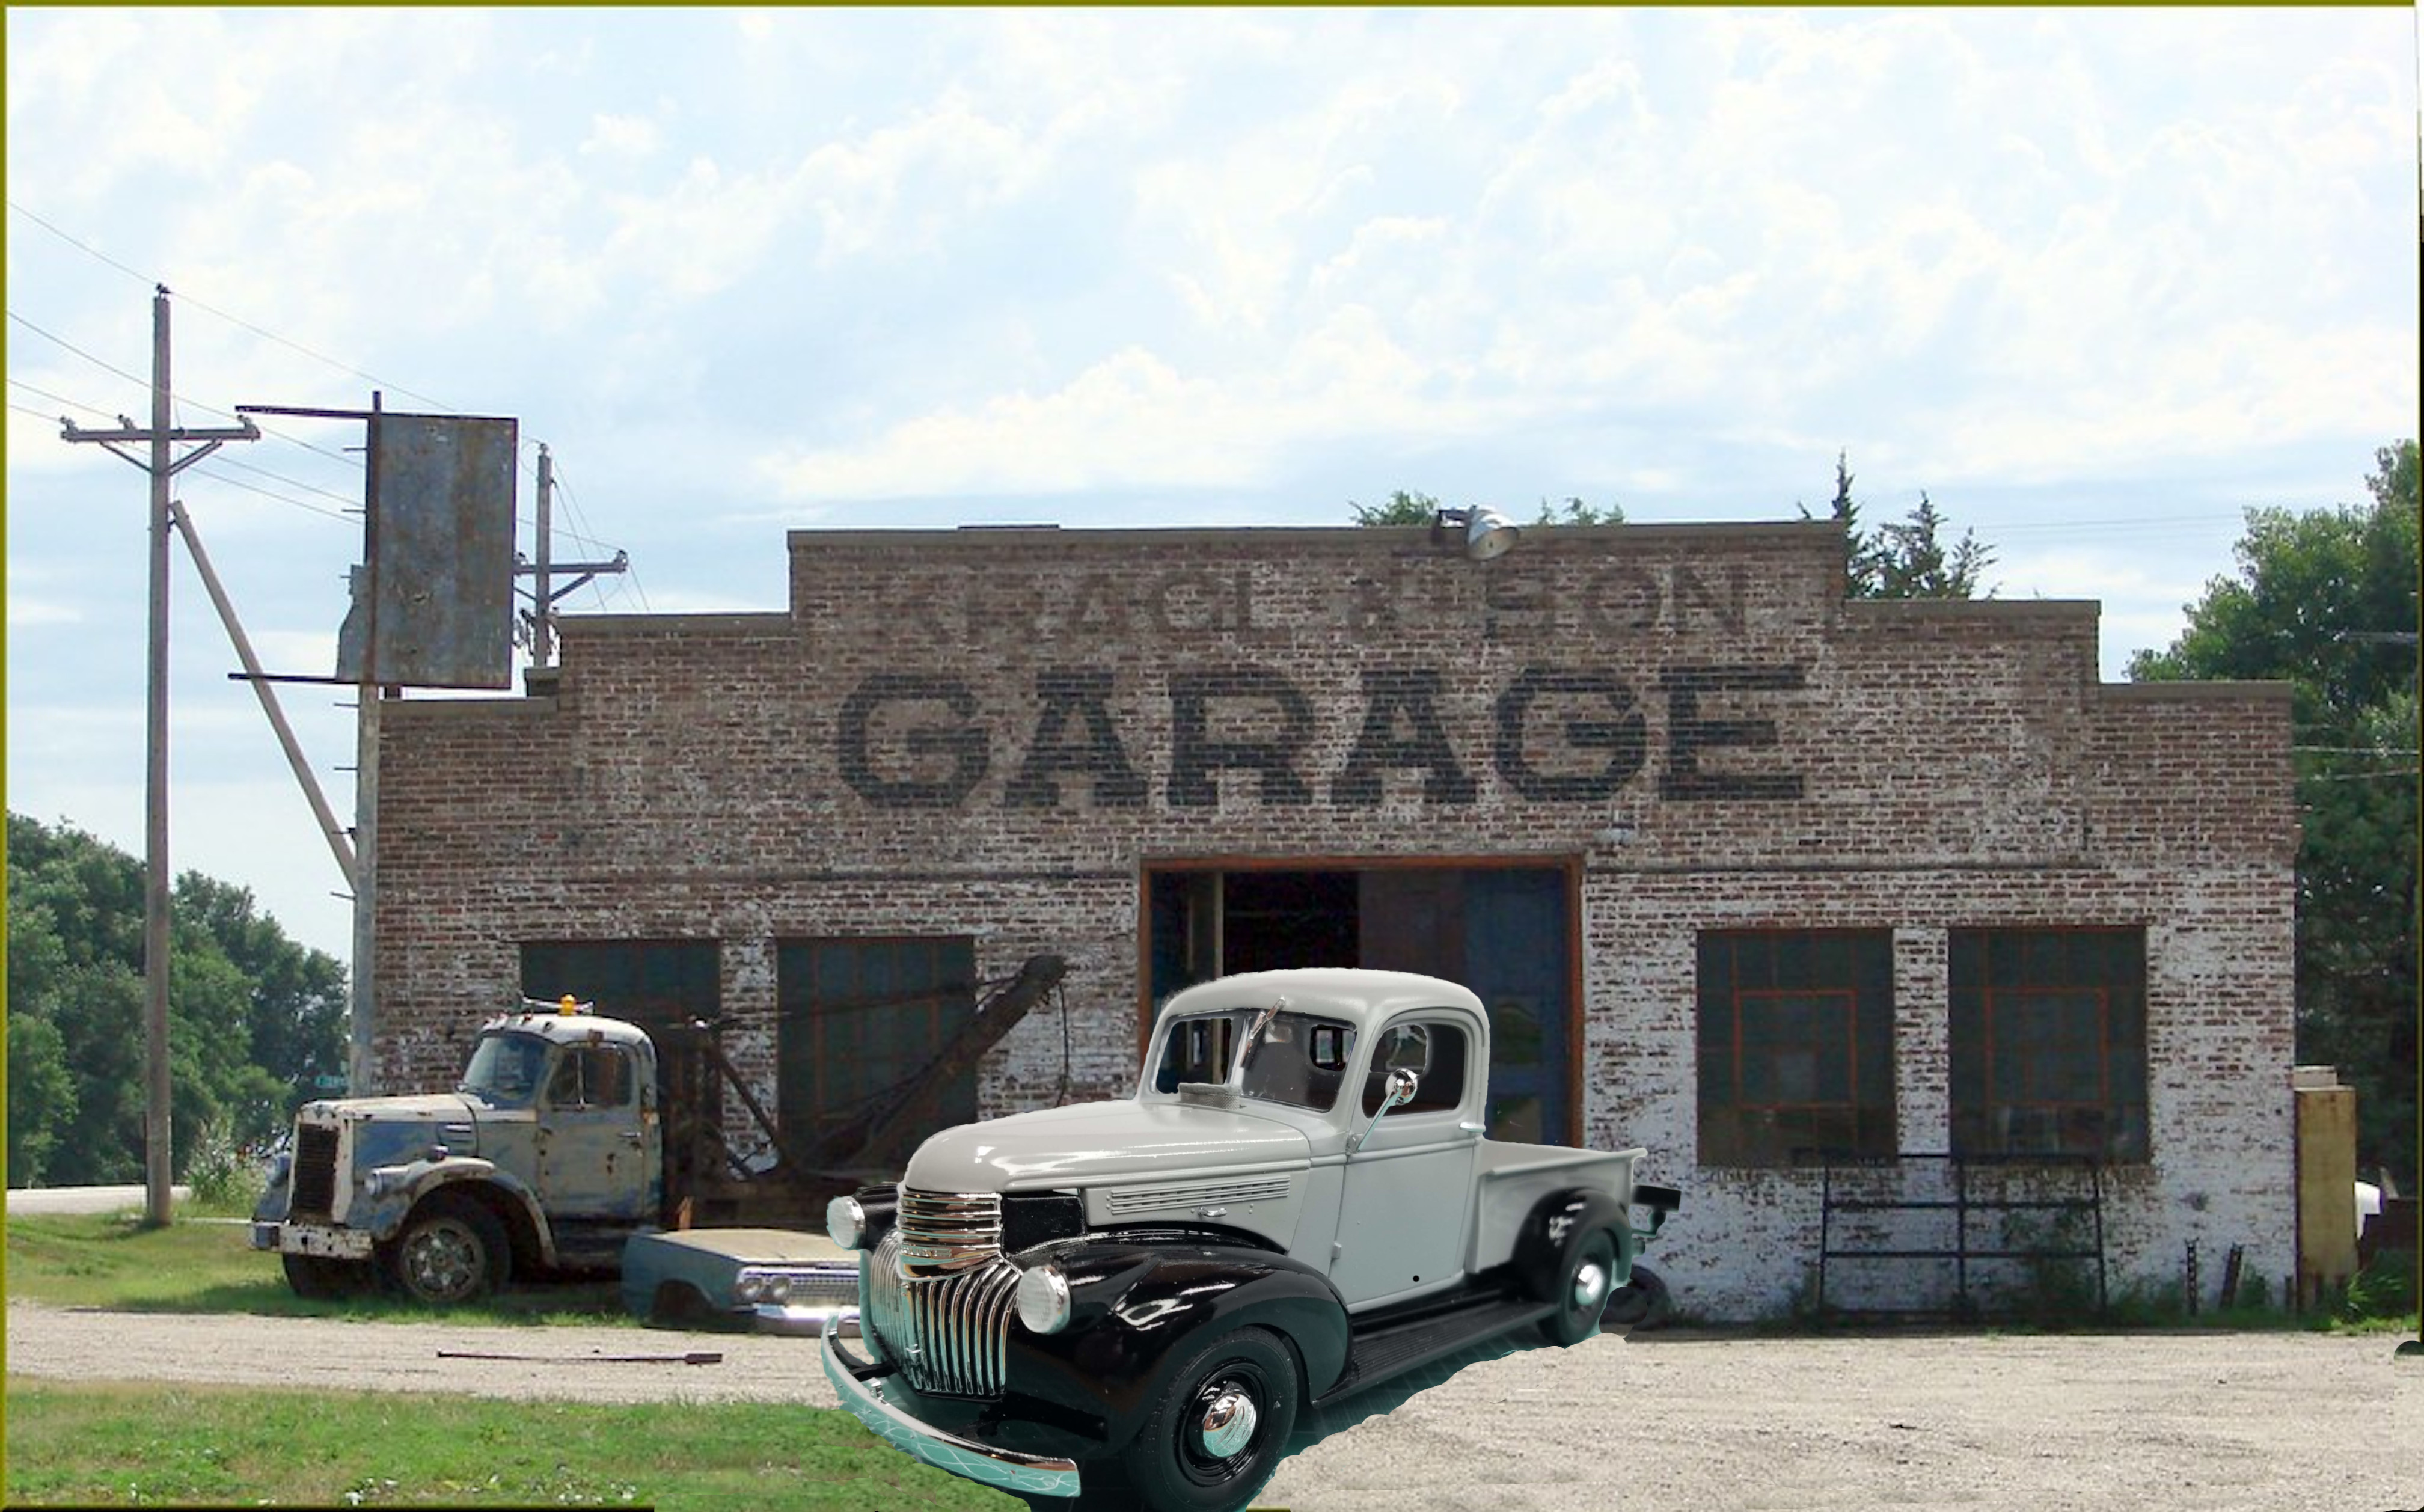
[
  {"x": 845, "y": 1221},
  {"x": 1044, "y": 1299}
]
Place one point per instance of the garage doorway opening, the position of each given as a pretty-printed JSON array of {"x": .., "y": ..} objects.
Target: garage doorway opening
[{"x": 1508, "y": 931}]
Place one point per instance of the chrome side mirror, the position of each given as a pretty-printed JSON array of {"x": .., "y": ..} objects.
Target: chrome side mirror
[{"x": 1400, "y": 1084}]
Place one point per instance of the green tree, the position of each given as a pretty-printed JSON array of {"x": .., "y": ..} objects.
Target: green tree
[
  {"x": 1409, "y": 507},
  {"x": 1908, "y": 559},
  {"x": 42, "y": 1094},
  {"x": 252, "y": 1016},
  {"x": 2326, "y": 600},
  {"x": 300, "y": 995}
]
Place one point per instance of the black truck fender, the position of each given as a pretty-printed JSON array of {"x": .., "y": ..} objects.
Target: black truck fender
[
  {"x": 1137, "y": 1306},
  {"x": 1555, "y": 1229}
]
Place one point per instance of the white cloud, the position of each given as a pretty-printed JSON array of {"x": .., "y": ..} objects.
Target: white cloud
[
  {"x": 622, "y": 136},
  {"x": 1255, "y": 261}
]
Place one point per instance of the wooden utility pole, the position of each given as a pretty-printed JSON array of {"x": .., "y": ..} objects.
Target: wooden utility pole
[
  {"x": 543, "y": 590},
  {"x": 542, "y": 596},
  {"x": 267, "y": 691},
  {"x": 157, "y": 462}
]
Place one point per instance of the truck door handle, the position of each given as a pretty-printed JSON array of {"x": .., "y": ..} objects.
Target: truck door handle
[{"x": 631, "y": 1135}]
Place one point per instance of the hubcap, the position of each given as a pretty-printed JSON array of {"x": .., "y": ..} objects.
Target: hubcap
[
  {"x": 443, "y": 1261},
  {"x": 1228, "y": 1423},
  {"x": 1591, "y": 1285}
]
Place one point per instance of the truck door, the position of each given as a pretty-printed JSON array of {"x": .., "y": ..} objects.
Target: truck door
[
  {"x": 593, "y": 1148},
  {"x": 1408, "y": 1188}
]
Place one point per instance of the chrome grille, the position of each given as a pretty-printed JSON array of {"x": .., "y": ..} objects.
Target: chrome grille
[
  {"x": 824, "y": 1286},
  {"x": 948, "y": 1331},
  {"x": 944, "y": 1232}
]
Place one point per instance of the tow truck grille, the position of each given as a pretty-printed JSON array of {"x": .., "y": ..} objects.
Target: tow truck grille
[
  {"x": 939, "y": 1295},
  {"x": 315, "y": 1171}
]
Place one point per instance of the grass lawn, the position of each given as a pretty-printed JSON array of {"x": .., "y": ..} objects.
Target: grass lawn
[
  {"x": 128, "y": 1445},
  {"x": 195, "y": 1266}
]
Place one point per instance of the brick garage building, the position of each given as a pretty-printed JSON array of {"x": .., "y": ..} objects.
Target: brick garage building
[{"x": 1746, "y": 870}]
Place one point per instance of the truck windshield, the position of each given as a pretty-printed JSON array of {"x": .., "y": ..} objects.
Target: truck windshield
[
  {"x": 1299, "y": 1059},
  {"x": 506, "y": 1069}
]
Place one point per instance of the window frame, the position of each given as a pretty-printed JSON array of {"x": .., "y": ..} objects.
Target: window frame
[
  {"x": 579, "y": 1059},
  {"x": 1993, "y": 973},
  {"x": 1737, "y": 968}
]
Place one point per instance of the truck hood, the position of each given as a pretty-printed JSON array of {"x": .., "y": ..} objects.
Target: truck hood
[
  {"x": 425, "y": 1107},
  {"x": 392, "y": 1130},
  {"x": 1092, "y": 1142}
]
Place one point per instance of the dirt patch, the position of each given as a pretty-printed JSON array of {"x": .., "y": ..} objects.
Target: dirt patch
[{"x": 2201, "y": 1422}]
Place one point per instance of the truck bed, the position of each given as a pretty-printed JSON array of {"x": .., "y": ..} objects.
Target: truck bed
[{"x": 1508, "y": 1179}]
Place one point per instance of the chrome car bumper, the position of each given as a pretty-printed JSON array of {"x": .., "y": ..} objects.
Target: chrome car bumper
[
  {"x": 1036, "y": 1475},
  {"x": 792, "y": 1319}
]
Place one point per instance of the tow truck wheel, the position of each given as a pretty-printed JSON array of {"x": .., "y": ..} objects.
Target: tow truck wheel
[
  {"x": 1221, "y": 1427},
  {"x": 1582, "y": 1290},
  {"x": 319, "y": 1277},
  {"x": 451, "y": 1250}
]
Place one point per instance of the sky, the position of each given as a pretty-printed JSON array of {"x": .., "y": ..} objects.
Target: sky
[{"x": 2095, "y": 282}]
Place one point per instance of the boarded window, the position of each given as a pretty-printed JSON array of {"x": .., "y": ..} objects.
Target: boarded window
[
  {"x": 1796, "y": 1046},
  {"x": 649, "y": 982},
  {"x": 2049, "y": 1040},
  {"x": 860, "y": 1017}
]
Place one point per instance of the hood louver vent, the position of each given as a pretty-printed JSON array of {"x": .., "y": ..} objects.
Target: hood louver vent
[{"x": 1197, "y": 1194}]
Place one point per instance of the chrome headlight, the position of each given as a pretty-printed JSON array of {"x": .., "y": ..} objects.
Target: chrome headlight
[
  {"x": 1044, "y": 1299},
  {"x": 845, "y": 1221},
  {"x": 753, "y": 1285}
]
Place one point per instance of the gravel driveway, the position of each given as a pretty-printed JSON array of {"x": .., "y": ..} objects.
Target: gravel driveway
[{"x": 1667, "y": 1421}]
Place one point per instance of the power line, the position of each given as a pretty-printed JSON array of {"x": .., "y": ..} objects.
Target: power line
[
  {"x": 212, "y": 409},
  {"x": 232, "y": 320},
  {"x": 266, "y": 493},
  {"x": 90, "y": 251},
  {"x": 60, "y": 398},
  {"x": 581, "y": 535},
  {"x": 63, "y": 343},
  {"x": 350, "y": 502},
  {"x": 573, "y": 502},
  {"x": 210, "y": 472}
]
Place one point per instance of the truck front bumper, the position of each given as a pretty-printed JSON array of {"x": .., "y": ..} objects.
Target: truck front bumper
[
  {"x": 325, "y": 1240},
  {"x": 861, "y": 1387}
]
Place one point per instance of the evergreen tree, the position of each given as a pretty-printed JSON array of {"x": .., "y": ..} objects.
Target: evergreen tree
[{"x": 1905, "y": 559}]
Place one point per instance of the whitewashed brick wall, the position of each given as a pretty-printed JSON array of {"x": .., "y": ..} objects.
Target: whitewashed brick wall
[{"x": 746, "y": 778}]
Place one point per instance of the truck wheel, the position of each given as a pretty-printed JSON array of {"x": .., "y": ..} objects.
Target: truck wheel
[
  {"x": 1581, "y": 1291},
  {"x": 451, "y": 1250},
  {"x": 317, "y": 1278},
  {"x": 1221, "y": 1428}
]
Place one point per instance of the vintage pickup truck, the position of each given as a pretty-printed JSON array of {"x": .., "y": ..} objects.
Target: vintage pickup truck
[{"x": 1297, "y": 1204}]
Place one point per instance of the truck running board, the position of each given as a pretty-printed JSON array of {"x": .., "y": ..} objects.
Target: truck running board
[{"x": 1393, "y": 1350}]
